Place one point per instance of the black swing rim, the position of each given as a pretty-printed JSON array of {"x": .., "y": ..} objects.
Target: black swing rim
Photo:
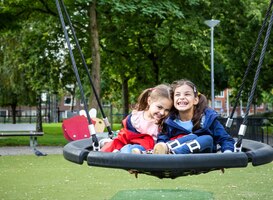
[{"x": 169, "y": 166}]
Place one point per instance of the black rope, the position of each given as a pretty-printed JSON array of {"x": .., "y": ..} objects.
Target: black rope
[
  {"x": 254, "y": 85},
  {"x": 86, "y": 69},
  {"x": 75, "y": 69},
  {"x": 258, "y": 69},
  {"x": 250, "y": 63}
]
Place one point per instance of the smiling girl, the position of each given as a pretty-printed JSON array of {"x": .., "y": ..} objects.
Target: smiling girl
[
  {"x": 141, "y": 127},
  {"x": 192, "y": 127}
]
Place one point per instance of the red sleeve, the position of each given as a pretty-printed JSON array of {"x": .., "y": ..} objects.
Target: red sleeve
[{"x": 126, "y": 136}]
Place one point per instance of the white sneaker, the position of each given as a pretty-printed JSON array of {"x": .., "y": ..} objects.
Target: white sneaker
[
  {"x": 161, "y": 148},
  {"x": 136, "y": 151},
  {"x": 116, "y": 151},
  {"x": 103, "y": 141}
]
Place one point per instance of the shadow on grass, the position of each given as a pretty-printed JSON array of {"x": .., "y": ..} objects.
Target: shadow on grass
[{"x": 162, "y": 194}]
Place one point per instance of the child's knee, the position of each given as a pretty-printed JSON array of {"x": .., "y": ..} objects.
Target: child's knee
[{"x": 205, "y": 139}]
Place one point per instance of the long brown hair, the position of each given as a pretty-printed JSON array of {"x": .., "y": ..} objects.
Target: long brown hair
[
  {"x": 200, "y": 107},
  {"x": 159, "y": 91}
]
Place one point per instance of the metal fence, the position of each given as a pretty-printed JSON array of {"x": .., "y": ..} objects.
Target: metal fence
[{"x": 258, "y": 128}]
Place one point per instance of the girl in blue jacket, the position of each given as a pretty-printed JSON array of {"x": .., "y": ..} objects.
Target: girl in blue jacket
[{"x": 192, "y": 127}]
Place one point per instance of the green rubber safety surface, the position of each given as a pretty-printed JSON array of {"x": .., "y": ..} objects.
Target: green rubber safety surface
[{"x": 162, "y": 194}]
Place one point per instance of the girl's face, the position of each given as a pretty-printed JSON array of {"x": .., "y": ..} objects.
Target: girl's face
[
  {"x": 159, "y": 109},
  {"x": 184, "y": 99}
]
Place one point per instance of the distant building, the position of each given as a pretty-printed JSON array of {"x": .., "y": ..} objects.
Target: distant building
[{"x": 224, "y": 108}]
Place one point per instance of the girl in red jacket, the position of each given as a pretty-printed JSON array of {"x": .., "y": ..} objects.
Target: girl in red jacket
[{"x": 141, "y": 127}]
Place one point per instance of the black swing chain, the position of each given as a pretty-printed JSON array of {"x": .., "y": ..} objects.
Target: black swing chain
[
  {"x": 254, "y": 85},
  {"x": 75, "y": 69},
  {"x": 253, "y": 54},
  {"x": 87, "y": 70}
]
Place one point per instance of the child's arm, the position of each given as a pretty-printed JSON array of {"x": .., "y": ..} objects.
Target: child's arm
[
  {"x": 162, "y": 137},
  {"x": 222, "y": 138}
]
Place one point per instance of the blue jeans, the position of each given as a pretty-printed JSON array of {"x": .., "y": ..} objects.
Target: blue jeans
[
  {"x": 128, "y": 148},
  {"x": 192, "y": 144}
]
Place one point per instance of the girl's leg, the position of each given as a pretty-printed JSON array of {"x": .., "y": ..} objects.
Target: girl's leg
[
  {"x": 128, "y": 148},
  {"x": 193, "y": 144},
  {"x": 178, "y": 145},
  {"x": 187, "y": 138},
  {"x": 206, "y": 143}
]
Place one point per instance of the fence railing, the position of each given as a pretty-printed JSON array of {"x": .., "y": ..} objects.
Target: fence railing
[{"x": 258, "y": 128}]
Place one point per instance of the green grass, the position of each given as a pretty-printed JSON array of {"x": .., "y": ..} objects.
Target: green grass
[
  {"x": 268, "y": 129},
  {"x": 53, "y": 136},
  {"x": 117, "y": 126},
  {"x": 52, "y": 177}
]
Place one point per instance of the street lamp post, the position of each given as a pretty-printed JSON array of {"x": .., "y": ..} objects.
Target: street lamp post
[{"x": 212, "y": 23}]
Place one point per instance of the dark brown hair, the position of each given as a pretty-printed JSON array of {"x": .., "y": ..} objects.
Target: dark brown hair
[{"x": 200, "y": 107}]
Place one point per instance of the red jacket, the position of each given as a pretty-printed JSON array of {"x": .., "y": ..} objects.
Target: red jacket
[{"x": 126, "y": 136}]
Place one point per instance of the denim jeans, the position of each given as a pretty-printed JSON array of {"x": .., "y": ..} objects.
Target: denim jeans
[{"x": 128, "y": 148}]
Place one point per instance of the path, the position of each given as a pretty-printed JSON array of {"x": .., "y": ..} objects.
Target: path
[{"x": 26, "y": 150}]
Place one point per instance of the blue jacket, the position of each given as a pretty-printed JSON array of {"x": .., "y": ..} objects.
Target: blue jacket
[{"x": 209, "y": 126}]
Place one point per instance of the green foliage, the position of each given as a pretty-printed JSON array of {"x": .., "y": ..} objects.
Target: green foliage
[
  {"x": 23, "y": 52},
  {"x": 13, "y": 80},
  {"x": 146, "y": 8},
  {"x": 143, "y": 43},
  {"x": 239, "y": 27},
  {"x": 129, "y": 38}
]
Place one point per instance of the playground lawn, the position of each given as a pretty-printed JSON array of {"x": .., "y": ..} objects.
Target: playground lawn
[
  {"x": 30, "y": 177},
  {"x": 52, "y": 177}
]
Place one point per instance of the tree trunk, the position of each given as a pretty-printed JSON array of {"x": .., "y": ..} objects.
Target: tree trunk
[
  {"x": 95, "y": 54},
  {"x": 125, "y": 97},
  {"x": 13, "y": 112},
  {"x": 39, "y": 126},
  {"x": 73, "y": 94},
  {"x": 154, "y": 59}
]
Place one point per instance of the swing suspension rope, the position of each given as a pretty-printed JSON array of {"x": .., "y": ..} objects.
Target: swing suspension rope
[
  {"x": 253, "y": 54},
  {"x": 243, "y": 127},
  {"x": 105, "y": 119}
]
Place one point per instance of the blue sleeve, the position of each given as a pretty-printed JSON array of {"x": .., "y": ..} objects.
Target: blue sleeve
[
  {"x": 129, "y": 125},
  {"x": 221, "y": 137},
  {"x": 162, "y": 138}
]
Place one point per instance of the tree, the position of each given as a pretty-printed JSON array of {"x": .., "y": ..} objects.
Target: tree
[
  {"x": 95, "y": 49},
  {"x": 24, "y": 53},
  {"x": 240, "y": 25},
  {"x": 131, "y": 54},
  {"x": 132, "y": 45},
  {"x": 14, "y": 89}
]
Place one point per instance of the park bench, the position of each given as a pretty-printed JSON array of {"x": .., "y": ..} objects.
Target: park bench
[{"x": 10, "y": 130}]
